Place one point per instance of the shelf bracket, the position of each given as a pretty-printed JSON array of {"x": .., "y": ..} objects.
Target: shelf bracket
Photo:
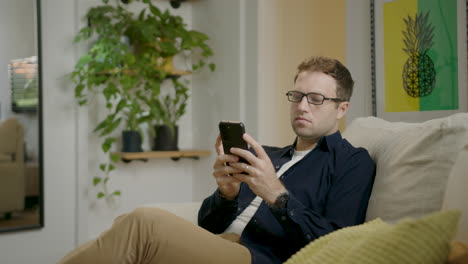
[{"x": 130, "y": 160}]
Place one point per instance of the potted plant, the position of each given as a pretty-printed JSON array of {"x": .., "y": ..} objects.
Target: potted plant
[
  {"x": 167, "y": 110},
  {"x": 129, "y": 57}
]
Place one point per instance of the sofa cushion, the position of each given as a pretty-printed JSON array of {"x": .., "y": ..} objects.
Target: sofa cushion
[
  {"x": 456, "y": 196},
  {"x": 413, "y": 162},
  {"x": 424, "y": 240}
]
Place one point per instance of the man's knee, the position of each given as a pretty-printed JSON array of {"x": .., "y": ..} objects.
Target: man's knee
[{"x": 144, "y": 214}]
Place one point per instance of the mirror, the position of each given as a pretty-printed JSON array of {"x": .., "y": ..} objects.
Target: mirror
[{"x": 21, "y": 192}]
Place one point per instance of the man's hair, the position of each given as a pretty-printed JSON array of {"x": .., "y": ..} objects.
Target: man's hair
[{"x": 333, "y": 68}]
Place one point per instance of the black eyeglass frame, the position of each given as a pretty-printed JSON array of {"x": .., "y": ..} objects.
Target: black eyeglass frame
[{"x": 307, "y": 96}]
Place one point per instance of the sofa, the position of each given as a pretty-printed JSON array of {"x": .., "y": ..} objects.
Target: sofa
[
  {"x": 12, "y": 167},
  {"x": 422, "y": 168}
]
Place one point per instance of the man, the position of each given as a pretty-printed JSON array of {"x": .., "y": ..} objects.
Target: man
[{"x": 267, "y": 209}]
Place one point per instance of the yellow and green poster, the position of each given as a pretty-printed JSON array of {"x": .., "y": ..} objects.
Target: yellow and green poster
[{"x": 420, "y": 55}]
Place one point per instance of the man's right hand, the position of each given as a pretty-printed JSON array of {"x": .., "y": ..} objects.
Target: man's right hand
[{"x": 228, "y": 185}]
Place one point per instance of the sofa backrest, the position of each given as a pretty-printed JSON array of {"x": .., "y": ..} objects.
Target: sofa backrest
[{"x": 413, "y": 162}]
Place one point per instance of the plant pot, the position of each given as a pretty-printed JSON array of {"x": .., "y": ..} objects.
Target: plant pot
[
  {"x": 131, "y": 141},
  {"x": 165, "y": 139}
]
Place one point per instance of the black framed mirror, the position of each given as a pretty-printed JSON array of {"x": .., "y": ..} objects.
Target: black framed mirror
[{"x": 21, "y": 155}]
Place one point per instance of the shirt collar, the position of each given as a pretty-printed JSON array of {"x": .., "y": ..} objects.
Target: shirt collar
[
  {"x": 329, "y": 142},
  {"x": 325, "y": 143}
]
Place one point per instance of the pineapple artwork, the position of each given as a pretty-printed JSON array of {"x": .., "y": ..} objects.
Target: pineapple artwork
[
  {"x": 420, "y": 55},
  {"x": 419, "y": 75}
]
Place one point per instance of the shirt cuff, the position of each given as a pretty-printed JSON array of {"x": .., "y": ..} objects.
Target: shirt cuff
[
  {"x": 289, "y": 212},
  {"x": 221, "y": 201}
]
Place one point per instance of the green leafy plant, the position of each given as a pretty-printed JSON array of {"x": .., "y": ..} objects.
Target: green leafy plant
[
  {"x": 129, "y": 57},
  {"x": 170, "y": 108}
]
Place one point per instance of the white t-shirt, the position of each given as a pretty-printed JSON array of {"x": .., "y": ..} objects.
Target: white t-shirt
[{"x": 238, "y": 225}]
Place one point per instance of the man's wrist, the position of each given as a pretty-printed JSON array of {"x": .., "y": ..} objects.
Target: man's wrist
[{"x": 225, "y": 197}]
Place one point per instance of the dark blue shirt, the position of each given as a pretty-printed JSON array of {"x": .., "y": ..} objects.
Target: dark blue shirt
[{"x": 329, "y": 189}]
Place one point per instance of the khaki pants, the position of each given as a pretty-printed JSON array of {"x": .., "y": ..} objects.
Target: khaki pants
[{"x": 151, "y": 235}]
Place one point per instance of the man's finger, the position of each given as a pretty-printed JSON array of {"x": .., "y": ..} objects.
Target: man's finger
[
  {"x": 219, "y": 145},
  {"x": 223, "y": 159},
  {"x": 242, "y": 177},
  {"x": 224, "y": 171},
  {"x": 256, "y": 146},
  {"x": 247, "y": 155}
]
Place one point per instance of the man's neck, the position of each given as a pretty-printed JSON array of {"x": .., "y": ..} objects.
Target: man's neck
[{"x": 305, "y": 144}]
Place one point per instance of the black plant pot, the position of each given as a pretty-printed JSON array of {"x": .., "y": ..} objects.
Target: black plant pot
[
  {"x": 165, "y": 139},
  {"x": 131, "y": 141}
]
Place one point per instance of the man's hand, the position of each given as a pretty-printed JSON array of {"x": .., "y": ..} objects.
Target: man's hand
[
  {"x": 228, "y": 185},
  {"x": 261, "y": 176}
]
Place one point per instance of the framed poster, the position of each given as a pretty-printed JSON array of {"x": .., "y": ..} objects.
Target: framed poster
[{"x": 419, "y": 58}]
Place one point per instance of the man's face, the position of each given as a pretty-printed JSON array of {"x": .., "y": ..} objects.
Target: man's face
[{"x": 310, "y": 121}]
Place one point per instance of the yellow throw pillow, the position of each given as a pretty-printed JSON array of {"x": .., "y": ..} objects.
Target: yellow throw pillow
[{"x": 425, "y": 240}]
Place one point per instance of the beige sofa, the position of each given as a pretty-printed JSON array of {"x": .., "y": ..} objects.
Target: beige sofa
[
  {"x": 421, "y": 168},
  {"x": 12, "y": 180}
]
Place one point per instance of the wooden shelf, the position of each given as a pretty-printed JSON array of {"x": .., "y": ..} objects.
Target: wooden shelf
[
  {"x": 171, "y": 74},
  {"x": 175, "y": 155},
  {"x": 179, "y": 73}
]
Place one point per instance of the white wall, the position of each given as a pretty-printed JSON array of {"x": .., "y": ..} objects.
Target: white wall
[
  {"x": 47, "y": 244},
  {"x": 358, "y": 57}
]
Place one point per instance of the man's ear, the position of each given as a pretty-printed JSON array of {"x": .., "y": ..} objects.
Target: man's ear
[{"x": 342, "y": 109}]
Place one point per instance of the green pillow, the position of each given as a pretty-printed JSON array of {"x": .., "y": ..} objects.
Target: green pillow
[{"x": 424, "y": 240}]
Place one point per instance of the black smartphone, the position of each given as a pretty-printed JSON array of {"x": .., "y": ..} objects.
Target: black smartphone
[{"x": 231, "y": 135}]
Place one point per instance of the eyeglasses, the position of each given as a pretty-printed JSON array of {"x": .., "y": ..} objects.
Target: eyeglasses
[{"x": 312, "y": 98}]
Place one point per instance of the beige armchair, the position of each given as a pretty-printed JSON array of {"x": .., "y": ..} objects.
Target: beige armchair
[{"x": 12, "y": 180}]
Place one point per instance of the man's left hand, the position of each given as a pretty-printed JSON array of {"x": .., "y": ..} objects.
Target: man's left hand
[{"x": 261, "y": 176}]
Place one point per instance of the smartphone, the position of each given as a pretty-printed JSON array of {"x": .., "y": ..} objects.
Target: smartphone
[{"x": 231, "y": 136}]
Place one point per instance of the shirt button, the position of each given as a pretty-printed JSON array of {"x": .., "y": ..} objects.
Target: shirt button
[
  {"x": 283, "y": 218},
  {"x": 277, "y": 166},
  {"x": 292, "y": 212},
  {"x": 308, "y": 237},
  {"x": 255, "y": 220},
  {"x": 238, "y": 209}
]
